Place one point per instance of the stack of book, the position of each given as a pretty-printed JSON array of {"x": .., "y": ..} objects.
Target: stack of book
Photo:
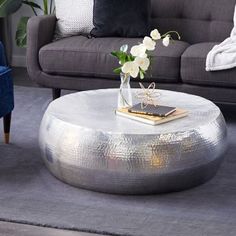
[{"x": 153, "y": 115}]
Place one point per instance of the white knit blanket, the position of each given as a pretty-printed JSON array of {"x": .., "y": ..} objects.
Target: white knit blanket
[{"x": 223, "y": 56}]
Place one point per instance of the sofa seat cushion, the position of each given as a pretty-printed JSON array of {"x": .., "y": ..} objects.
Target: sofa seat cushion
[
  {"x": 193, "y": 63},
  {"x": 82, "y": 57}
]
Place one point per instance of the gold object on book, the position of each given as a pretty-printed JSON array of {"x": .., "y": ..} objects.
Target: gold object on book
[
  {"x": 152, "y": 120},
  {"x": 148, "y": 95}
]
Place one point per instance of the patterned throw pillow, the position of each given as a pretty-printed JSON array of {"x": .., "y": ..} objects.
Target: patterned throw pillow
[{"x": 74, "y": 17}]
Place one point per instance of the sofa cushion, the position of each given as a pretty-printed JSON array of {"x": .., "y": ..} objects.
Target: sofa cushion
[
  {"x": 193, "y": 64},
  {"x": 80, "y": 56}
]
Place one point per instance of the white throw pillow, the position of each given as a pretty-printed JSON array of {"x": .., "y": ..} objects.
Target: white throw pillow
[{"x": 74, "y": 17}]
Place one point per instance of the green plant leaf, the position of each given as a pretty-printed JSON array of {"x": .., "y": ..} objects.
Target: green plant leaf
[
  {"x": 141, "y": 74},
  {"x": 51, "y": 7},
  {"x": 117, "y": 70},
  {"x": 114, "y": 54},
  {"x": 45, "y": 6},
  {"x": 130, "y": 58},
  {"x": 32, "y": 4},
  {"x": 119, "y": 54},
  {"x": 123, "y": 59},
  {"x": 8, "y": 7},
  {"x": 21, "y": 33}
]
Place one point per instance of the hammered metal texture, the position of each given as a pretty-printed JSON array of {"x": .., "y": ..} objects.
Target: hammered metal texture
[{"x": 85, "y": 144}]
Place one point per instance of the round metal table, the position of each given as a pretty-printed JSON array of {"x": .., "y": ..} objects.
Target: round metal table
[{"x": 84, "y": 143}]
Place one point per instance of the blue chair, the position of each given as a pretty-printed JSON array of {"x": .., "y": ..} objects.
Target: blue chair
[{"x": 6, "y": 94}]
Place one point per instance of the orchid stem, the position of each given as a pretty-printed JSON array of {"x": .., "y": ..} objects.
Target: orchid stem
[{"x": 169, "y": 32}]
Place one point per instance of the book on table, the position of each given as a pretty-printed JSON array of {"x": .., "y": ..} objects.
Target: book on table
[
  {"x": 151, "y": 119},
  {"x": 151, "y": 109}
]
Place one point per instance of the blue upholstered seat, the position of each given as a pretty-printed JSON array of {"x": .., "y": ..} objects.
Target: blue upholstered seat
[
  {"x": 6, "y": 85},
  {"x": 6, "y": 91},
  {"x": 4, "y": 70},
  {"x": 3, "y": 61}
]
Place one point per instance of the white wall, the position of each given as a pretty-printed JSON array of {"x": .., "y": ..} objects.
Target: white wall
[{"x": 18, "y": 54}]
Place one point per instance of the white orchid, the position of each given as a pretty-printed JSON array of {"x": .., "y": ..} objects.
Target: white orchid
[
  {"x": 166, "y": 41},
  {"x": 138, "y": 51},
  {"x": 149, "y": 43},
  {"x": 131, "y": 68},
  {"x": 137, "y": 61},
  {"x": 143, "y": 63},
  {"x": 155, "y": 34},
  {"x": 124, "y": 48}
]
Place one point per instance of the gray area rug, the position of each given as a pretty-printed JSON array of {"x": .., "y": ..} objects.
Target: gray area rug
[{"x": 29, "y": 194}]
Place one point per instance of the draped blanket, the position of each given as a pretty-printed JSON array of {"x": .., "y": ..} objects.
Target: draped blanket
[{"x": 223, "y": 56}]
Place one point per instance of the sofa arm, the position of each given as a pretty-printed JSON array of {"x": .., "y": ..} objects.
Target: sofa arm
[{"x": 40, "y": 31}]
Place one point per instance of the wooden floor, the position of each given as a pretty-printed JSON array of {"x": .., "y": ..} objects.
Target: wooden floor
[{"x": 13, "y": 229}]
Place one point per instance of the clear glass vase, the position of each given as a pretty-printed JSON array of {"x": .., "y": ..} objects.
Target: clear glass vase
[{"x": 125, "y": 95}]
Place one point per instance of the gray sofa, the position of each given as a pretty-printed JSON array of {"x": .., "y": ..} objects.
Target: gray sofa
[{"x": 81, "y": 63}]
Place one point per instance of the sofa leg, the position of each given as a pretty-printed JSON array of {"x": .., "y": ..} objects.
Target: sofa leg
[
  {"x": 56, "y": 93},
  {"x": 7, "y": 126}
]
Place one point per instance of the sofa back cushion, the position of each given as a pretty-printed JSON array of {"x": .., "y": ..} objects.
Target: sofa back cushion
[{"x": 195, "y": 20}]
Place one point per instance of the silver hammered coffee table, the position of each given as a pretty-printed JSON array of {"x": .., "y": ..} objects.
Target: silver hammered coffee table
[{"x": 85, "y": 144}]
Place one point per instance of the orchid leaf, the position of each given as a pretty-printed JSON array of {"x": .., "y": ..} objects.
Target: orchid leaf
[{"x": 117, "y": 70}]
